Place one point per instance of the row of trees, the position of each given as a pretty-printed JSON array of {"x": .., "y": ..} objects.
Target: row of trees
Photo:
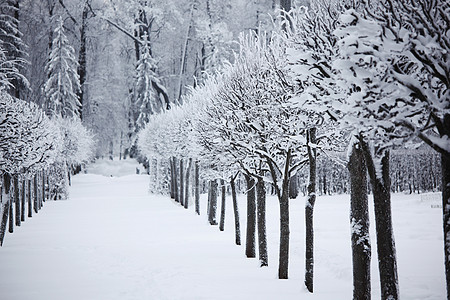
[
  {"x": 41, "y": 143},
  {"x": 411, "y": 171},
  {"x": 366, "y": 77},
  {"x": 38, "y": 155}
]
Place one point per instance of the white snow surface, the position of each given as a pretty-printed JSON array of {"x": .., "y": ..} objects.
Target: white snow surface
[
  {"x": 115, "y": 167},
  {"x": 113, "y": 240}
]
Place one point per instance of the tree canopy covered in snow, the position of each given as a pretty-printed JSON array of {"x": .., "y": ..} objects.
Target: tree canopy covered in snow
[{"x": 63, "y": 81}]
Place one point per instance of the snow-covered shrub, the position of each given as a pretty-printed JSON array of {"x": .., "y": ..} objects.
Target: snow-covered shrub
[
  {"x": 29, "y": 140},
  {"x": 77, "y": 142},
  {"x": 77, "y": 146}
]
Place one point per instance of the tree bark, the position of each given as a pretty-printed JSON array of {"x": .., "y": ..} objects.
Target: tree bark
[
  {"x": 175, "y": 180},
  {"x": 283, "y": 268},
  {"x": 30, "y": 208},
  {"x": 36, "y": 194},
  {"x": 24, "y": 197},
  {"x": 222, "y": 207},
  {"x": 41, "y": 187},
  {"x": 184, "y": 53},
  {"x": 387, "y": 261},
  {"x": 283, "y": 198},
  {"x": 187, "y": 192},
  {"x": 172, "y": 181},
  {"x": 43, "y": 184},
  {"x": 17, "y": 199},
  {"x": 261, "y": 220},
  {"x": 6, "y": 198},
  {"x": 11, "y": 211},
  {"x": 213, "y": 204},
  {"x": 82, "y": 65},
  {"x": 208, "y": 204},
  {"x": 181, "y": 182},
  {"x": 237, "y": 227},
  {"x": 293, "y": 187},
  {"x": 359, "y": 220},
  {"x": 250, "y": 251},
  {"x": 197, "y": 187},
  {"x": 309, "y": 211},
  {"x": 445, "y": 165}
]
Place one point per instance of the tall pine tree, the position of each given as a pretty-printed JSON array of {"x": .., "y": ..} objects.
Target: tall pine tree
[
  {"x": 12, "y": 48},
  {"x": 63, "y": 82},
  {"x": 145, "y": 98}
]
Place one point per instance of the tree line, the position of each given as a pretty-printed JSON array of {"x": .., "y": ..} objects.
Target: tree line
[
  {"x": 369, "y": 78},
  {"x": 41, "y": 143}
]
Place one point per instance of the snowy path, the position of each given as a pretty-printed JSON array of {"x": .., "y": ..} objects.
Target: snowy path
[{"x": 112, "y": 240}]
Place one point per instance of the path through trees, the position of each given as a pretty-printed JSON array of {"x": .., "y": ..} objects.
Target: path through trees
[{"x": 113, "y": 240}]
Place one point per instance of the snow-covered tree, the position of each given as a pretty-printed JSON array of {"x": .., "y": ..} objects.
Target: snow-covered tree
[
  {"x": 146, "y": 101},
  {"x": 29, "y": 142},
  {"x": 13, "y": 55},
  {"x": 78, "y": 142},
  {"x": 396, "y": 59},
  {"x": 63, "y": 81},
  {"x": 29, "y": 139},
  {"x": 251, "y": 117}
]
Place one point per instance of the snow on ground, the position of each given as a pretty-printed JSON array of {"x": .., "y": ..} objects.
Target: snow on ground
[
  {"x": 116, "y": 167},
  {"x": 112, "y": 240}
]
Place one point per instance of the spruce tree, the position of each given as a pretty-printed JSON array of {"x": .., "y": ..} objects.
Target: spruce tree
[
  {"x": 63, "y": 82},
  {"x": 12, "y": 49},
  {"x": 145, "y": 97}
]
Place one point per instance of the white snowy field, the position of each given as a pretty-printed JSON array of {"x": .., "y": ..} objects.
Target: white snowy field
[{"x": 112, "y": 240}]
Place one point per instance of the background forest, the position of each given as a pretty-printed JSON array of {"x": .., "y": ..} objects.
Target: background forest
[{"x": 185, "y": 38}]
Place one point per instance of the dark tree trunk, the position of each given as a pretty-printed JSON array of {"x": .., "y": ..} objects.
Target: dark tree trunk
[
  {"x": 6, "y": 197},
  {"x": 24, "y": 197},
  {"x": 387, "y": 261},
  {"x": 237, "y": 227},
  {"x": 181, "y": 182},
  {"x": 175, "y": 180},
  {"x": 250, "y": 250},
  {"x": 213, "y": 203},
  {"x": 40, "y": 191},
  {"x": 197, "y": 187},
  {"x": 283, "y": 198},
  {"x": 82, "y": 56},
  {"x": 11, "y": 211},
  {"x": 445, "y": 165},
  {"x": 36, "y": 194},
  {"x": 359, "y": 220},
  {"x": 444, "y": 130},
  {"x": 261, "y": 220},
  {"x": 43, "y": 184},
  {"x": 17, "y": 199},
  {"x": 172, "y": 181},
  {"x": 187, "y": 191},
  {"x": 283, "y": 268},
  {"x": 293, "y": 187},
  {"x": 309, "y": 211},
  {"x": 162, "y": 94},
  {"x": 208, "y": 204},
  {"x": 30, "y": 208},
  {"x": 222, "y": 207}
]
